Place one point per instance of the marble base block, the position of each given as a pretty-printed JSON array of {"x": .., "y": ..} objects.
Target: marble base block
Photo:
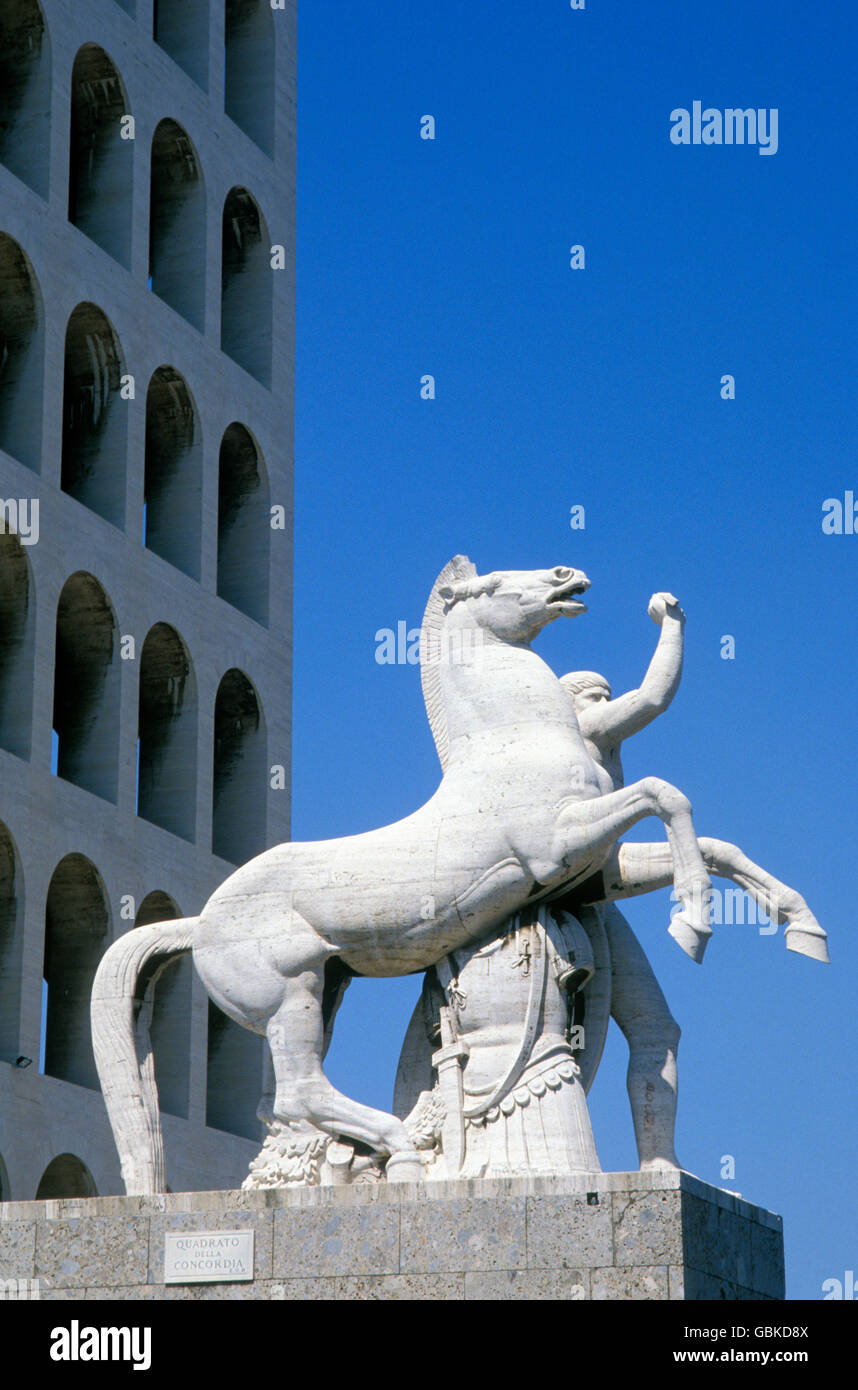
[{"x": 593, "y": 1236}]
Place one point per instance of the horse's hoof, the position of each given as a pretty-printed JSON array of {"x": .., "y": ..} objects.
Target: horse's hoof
[
  {"x": 405, "y": 1166},
  {"x": 692, "y": 938},
  {"x": 807, "y": 940}
]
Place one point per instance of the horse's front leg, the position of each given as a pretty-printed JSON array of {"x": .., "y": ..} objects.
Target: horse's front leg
[
  {"x": 632, "y": 869},
  {"x": 599, "y": 822}
]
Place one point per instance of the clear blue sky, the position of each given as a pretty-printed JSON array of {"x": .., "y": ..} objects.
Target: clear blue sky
[{"x": 601, "y": 387}]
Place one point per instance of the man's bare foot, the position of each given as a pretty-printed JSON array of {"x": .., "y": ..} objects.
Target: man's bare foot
[{"x": 659, "y": 1165}]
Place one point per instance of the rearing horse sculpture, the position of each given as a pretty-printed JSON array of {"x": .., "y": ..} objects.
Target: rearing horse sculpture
[{"x": 518, "y": 814}]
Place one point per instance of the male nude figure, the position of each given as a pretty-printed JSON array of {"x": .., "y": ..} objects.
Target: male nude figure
[{"x": 638, "y": 1004}]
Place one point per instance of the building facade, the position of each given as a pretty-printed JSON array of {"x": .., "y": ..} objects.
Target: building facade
[{"x": 147, "y": 210}]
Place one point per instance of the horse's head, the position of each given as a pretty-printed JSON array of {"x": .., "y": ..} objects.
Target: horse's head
[{"x": 515, "y": 605}]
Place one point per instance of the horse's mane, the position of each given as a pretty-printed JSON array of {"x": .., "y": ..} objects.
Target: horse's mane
[{"x": 460, "y": 567}]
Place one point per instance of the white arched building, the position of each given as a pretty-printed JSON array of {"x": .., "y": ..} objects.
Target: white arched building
[{"x": 147, "y": 162}]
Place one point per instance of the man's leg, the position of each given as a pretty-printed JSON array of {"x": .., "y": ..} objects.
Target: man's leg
[{"x": 640, "y": 1010}]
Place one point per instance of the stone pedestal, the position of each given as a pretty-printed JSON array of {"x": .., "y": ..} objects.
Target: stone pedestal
[{"x": 594, "y": 1236}]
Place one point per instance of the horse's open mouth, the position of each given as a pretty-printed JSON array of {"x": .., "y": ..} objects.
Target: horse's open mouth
[{"x": 564, "y": 603}]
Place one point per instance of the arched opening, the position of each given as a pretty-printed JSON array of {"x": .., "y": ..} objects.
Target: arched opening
[
  {"x": 245, "y": 333},
  {"x": 100, "y": 154},
  {"x": 173, "y": 479},
  {"x": 17, "y": 624},
  {"x": 243, "y": 524},
  {"x": 11, "y": 946},
  {"x": 25, "y": 93},
  {"x": 66, "y": 1176},
  {"x": 240, "y": 781},
  {"x": 157, "y": 906},
  {"x": 86, "y": 687},
  {"x": 95, "y": 422},
  {"x": 167, "y": 730},
  {"x": 170, "y": 1026},
  {"x": 249, "y": 69},
  {"x": 181, "y": 27},
  {"x": 76, "y": 925},
  {"x": 22, "y": 349},
  {"x": 234, "y": 1076},
  {"x": 177, "y": 223}
]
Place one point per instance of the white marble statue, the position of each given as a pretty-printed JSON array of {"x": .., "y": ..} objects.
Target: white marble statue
[{"x": 526, "y": 810}]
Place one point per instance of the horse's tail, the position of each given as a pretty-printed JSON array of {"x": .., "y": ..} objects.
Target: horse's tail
[{"x": 121, "y": 1012}]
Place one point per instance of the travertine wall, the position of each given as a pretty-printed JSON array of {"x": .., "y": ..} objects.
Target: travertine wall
[
  {"x": 229, "y": 605},
  {"x": 598, "y": 1236}
]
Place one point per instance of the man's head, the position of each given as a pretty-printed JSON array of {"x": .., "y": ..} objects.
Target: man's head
[{"x": 585, "y": 688}]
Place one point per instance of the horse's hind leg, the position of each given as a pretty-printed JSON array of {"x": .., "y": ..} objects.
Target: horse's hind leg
[{"x": 296, "y": 1036}]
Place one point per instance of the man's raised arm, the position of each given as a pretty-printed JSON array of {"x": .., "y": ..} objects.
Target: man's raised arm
[{"x": 612, "y": 721}]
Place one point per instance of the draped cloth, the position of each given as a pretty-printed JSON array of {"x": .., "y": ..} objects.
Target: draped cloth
[{"x": 524, "y": 1105}]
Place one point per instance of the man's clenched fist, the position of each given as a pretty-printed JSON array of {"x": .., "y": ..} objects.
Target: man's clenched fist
[{"x": 661, "y": 604}]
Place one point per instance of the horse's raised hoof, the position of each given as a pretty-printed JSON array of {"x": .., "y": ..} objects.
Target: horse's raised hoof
[
  {"x": 693, "y": 939},
  {"x": 405, "y": 1166},
  {"x": 806, "y": 938}
]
